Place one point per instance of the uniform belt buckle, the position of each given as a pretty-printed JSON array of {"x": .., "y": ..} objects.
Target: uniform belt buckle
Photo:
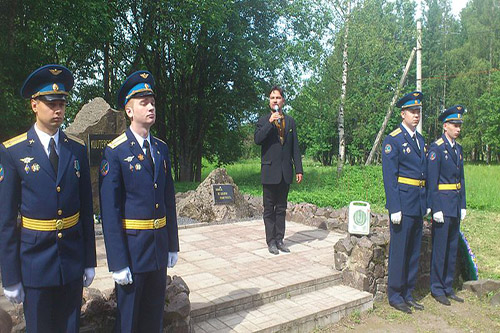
[
  {"x": 156, "y": 224},
  {"x": 59, "y": 224}
]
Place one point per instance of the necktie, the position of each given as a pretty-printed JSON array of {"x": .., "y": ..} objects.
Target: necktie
[
  {"x": 148, "y": 153},
  {"x": 414, "y": 137},
  {"x": 53, "y": 157}
]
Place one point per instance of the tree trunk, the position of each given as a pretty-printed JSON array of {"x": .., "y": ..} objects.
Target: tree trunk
[
  {"x": 341, "y": 156},
  {"x": 106, "y": 76},
  {"x": 389, "y": 110}
]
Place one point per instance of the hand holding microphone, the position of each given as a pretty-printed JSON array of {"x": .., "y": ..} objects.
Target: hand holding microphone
[{"x": 275, "y": 115}]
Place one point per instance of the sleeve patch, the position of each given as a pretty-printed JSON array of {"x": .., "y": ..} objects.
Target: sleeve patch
[
  {"x": 2, "y": 173},
  {"x": 387, "y": 148},
  {"x": 432, "y": 155},
  {"x": 104, "y": 167}
]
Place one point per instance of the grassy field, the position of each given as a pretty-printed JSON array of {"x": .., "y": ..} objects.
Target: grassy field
[{"x": 321, "y": 187}]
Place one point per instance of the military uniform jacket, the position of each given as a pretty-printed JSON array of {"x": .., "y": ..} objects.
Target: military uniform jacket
[
  {"x": 277, "y": 160},
  {"x": 29, "y": 186},
  {"x": 131, "y": 189},
  {"x": 401, "y": 157},
  {"x": 446, "y": 167}
]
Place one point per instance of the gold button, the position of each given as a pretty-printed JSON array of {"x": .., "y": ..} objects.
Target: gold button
[
  {"x": 156, "y": 206},
  {"x": 59, "y": 224},
  {"x": 156, "y": 185},
  {"x": 59, "y": 235},
  {"x": 59, "y": 212},
  {"x": 58, "y": 189}
]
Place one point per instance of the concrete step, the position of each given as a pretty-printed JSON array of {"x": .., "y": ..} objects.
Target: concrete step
[
  {"x": 250, "y": 293},
  {"x": 298, "y": 313}
]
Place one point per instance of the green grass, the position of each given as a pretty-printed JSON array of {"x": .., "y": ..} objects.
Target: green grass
[{"x": 482, "y": 185}]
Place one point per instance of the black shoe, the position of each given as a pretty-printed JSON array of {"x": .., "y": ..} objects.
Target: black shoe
[
  {"x": 401, "y": 307},
  {"x": 415, "y": 305},
  {"x": 272, "y": 248},
  {"x": 442, "y": 299},
  {"x": 282, "y": 246},
  {"x": 456, "y": 298}
]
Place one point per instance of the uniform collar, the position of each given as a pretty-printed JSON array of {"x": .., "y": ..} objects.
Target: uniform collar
[
  {"x": 452, "y": 142},
  {"x": 45, "y": 138},
  {"x": 412, "y": 133},
  {"x": 140, "y": 139}
]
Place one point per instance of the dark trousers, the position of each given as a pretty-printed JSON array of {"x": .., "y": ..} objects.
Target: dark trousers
[
  {"x": 404, "y": 252},
  {"x": 140, "y": 304},
  {"x": 53, "y": 309},
  {"x": 275, "y": 201},
  {"x": 444, "y": 255}
]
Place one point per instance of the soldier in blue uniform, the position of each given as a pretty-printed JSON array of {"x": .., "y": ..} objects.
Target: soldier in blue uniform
[
  {"x": 447, "y": 200},
  {"x": 138, "y": 211},
  {"x": 404, "y": 170},
  {"x": 44, "y": 176}
]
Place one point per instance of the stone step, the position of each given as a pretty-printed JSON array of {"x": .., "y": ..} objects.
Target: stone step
[
  {"x": 299, "y": 313},
  {"x": 250, "y": 293}
]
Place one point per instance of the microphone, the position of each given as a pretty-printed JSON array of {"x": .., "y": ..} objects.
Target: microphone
[{"x": 276, "y": 108}]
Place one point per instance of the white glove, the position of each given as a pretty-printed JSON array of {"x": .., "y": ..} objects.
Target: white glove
[
  {"x": 427, "y": 212},
  {"x": 123, "y": 276},
  {"x": 172, "y": 259},
  {"x": 463, "y": 212},
  {"x": 396, "y": 218},
  {"x": 438, "y": 217},
  {"x": 88, "y": 276},
  {"x": 15, "y": 293}
]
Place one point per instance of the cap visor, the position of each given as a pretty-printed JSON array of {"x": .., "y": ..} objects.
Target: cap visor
[{"x": 52, "y": 98}]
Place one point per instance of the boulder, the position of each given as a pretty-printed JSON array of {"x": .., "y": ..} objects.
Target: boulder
[
  {"x": 482, "y": 287},
  {"x": 5, "y": 321}
]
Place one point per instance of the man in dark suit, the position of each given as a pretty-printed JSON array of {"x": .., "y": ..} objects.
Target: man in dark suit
[
  {"x": 276, "y": 133},
  {"x": 138, "y": 211},
  {"x": 447, "y": 200},
  {"x": 44, "y": 176},
  {"x": 404, "y": 169}
]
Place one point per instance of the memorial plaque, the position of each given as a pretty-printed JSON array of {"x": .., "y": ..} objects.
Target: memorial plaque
[
  {"x": 97, "y": 143},
  {"x": 223, "y": 194}
]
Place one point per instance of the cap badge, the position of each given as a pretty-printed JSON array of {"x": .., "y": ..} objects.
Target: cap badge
[
  {"x": 146, "y": 86},
  {"x": 144, "y": 75},
  {"x": 459, "y": 108},
  {"x": 415, "y": 94},
  {"x": 55, "y": 87},
  {"x": 55, "y": 71}
]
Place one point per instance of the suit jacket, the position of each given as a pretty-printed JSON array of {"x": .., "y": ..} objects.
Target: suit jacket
[
  {"x": 445, "y": 167},
  {"x": 131, "y": 189},
  {"x": 401, "y": 157},
  {"x": 29, "y": 186},
  {"x": 277, "y": 160}
]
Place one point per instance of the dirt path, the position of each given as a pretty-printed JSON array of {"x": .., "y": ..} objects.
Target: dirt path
[{"x": 475, "y": 315}]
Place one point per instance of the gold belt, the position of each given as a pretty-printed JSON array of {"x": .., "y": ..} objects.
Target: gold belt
[
  {"x": 411, "y": 181},
  {"x": 50, "y": 225},
  {"x": 449, "y": 187},
  {"x": 144, "y": 224}
]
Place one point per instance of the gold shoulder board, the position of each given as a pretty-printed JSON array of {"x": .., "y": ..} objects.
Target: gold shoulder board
[
  {"x": 75, "y": 138},
  {"x": 118, "y": 141},
  {"x": 439, "y": 141},
  {"x": 159, "y": 140},
  {"x": 14, "y": 141},
  {"x": 395, "y": 132}
]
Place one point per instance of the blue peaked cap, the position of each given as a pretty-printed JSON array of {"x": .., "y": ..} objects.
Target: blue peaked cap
[
  {"x": 49, "y": 82},
  {"x": 138, "y": 84},
  {"x": 409, "y": 100},
  {"x": 455, "y": 114}
]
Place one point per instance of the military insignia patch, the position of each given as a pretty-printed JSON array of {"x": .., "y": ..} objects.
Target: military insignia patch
[
  {"x": 55, "y": 71},
  {"x": 55, "y": 87},
  {"x": 387, "y": 148},
  {"x": 35, "y": 167},
  {"x": 104, "y": 167},
  {"x": 26, "y": 160},
  {"x": 140, "y": 157},
  {"x": 144, "y": 75},
  {"x": 129, "y": 159},
  {"x": 408, "y": 150},
  {"x": 138, "y": 167},
  {"x": 432, "y": 156},
  {"x": 131, "y": 167},
  {"x": 2, "y": 173}
]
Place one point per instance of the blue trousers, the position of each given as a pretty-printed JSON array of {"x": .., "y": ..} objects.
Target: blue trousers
[
  {"x": 140, "y": 304},
  {"x": 404, "y": 252},
  {"x": 53, "y": 309},
  {"x": 444, "y": 255}
]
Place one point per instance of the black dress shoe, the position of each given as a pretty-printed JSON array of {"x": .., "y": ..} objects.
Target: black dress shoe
[
  {"x": 272, "y": 248},
  {"x": 442, "y": 299},
  {"x": 456, "y": 298},
  {"x": 401, "y": 307},
  {"x": 415, "y": 305},
  {"x": 282, "y": 246}
]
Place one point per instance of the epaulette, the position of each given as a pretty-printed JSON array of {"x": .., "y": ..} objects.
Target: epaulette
[
  {"x": 395, "y": 132},
  {"x": 118, "y": 141},
  {"x": 439, "y": 141},
  {"x": 159, "y": 140},
  {"x": 14, "y": 141},
  {"x": 75, "y": 138}
]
